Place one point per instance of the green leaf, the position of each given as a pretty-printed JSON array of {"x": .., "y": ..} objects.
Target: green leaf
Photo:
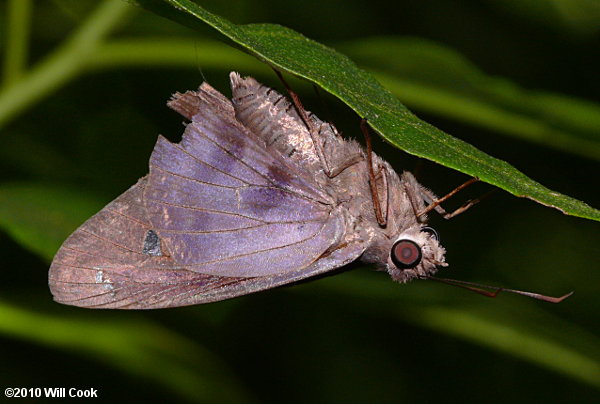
[
  {"x": 132, "y": 344},
  {"x": 290, "y": 51}
]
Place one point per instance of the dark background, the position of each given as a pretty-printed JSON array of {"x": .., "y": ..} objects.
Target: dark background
[{"x": 354, "y": 337}]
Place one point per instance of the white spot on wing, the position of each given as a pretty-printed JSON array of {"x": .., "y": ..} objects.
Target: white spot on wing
[{"x": 100, "y": 279}]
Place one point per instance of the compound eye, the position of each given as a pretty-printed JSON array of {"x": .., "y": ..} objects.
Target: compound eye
[
  {"x": 431, "y": 231},
  {"x": 406, "y": 254}
]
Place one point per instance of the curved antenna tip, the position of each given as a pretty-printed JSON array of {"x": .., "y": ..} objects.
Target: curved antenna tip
[{"x": 479, "y": 288}]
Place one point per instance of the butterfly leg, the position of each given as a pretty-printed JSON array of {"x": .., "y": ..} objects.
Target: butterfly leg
[
  {"x": 377, "y": 203},
  {"x": 433, "y": 203}
]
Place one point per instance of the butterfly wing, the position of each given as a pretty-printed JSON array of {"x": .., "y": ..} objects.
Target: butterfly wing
[
  {"x": 218, "y": 216},
  {"x": 109, "y": 262}
]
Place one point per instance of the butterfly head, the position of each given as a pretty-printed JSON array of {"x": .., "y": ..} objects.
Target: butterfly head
[{"x": 415, "y": 253}]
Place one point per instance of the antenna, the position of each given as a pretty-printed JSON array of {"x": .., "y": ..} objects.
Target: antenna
[{"x": 481, "y": 289}]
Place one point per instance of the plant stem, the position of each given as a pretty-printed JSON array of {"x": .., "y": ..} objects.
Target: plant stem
[
  {"x": 64, "y": 63},
  {"x": 161, "y": 52},
  {"x": 17, "y": 40}
]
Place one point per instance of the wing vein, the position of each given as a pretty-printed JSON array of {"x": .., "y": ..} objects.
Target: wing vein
[
  {"x": 110, "y": 242},
  {"x": 177, "y": 205},
  {"x": 236, "y": 229},
  {"x": 133, "y": 219},
  {"x": 192, "y": 179},
  {"x": 177, "y": 145},
  {"x": 259, "y": 251},
  {"x": 200, "y": 132}
]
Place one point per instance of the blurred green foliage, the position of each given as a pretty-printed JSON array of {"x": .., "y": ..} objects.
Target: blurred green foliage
[{"x": 82, "y": 101}]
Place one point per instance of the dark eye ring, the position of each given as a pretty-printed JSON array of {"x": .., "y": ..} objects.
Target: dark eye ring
[
  {"x": 406, "y": 254},
  {"x": 431, "y": 231}
]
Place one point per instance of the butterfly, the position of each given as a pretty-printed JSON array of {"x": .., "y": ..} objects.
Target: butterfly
[{"x": 258, "y": 193}]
